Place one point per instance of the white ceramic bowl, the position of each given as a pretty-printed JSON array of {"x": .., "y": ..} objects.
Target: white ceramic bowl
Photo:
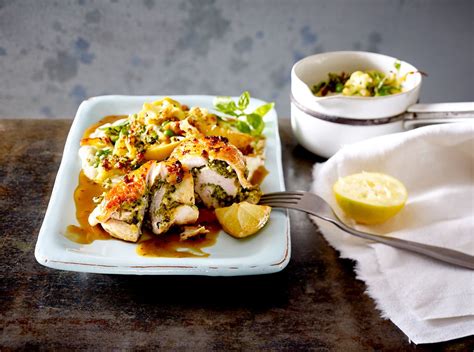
[{"x": 324, "y": 124}]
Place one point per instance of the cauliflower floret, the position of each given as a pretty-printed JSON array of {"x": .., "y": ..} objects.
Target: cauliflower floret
[{"x": 358, "y": 84}]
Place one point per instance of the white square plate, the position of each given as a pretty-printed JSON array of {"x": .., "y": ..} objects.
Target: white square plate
[{"x": 267, "y": 252}]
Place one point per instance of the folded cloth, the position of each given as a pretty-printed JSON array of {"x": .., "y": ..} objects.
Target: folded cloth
[{"x": 430, "y": 301}]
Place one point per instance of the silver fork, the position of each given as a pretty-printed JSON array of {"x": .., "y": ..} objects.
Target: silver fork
[{"x": 312, "y": 204}]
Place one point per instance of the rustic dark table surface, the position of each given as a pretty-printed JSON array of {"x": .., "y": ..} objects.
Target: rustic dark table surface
[{"x": 316, "y": 303}]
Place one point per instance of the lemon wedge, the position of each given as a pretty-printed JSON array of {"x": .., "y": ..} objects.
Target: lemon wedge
[
  {"x": 369, "y": 197},
  {"x": 243, "y": 219}
]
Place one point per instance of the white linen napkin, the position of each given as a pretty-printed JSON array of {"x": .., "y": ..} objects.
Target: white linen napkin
[{"x": 428, "y": 300}]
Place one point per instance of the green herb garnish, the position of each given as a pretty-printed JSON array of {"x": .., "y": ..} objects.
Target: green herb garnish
[
  {"x": 397, "y": 65},
  {"x": 334, "y": 84},
  {"x": 250, "y": 123},
  {"x": 100, "y": 155},
  {"x": 113, "y": 132},
  {"x": 168, "y": 133}
]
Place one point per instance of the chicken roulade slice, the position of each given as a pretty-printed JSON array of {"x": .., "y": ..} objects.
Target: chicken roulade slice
[
  {"x": 123, "y": 207},
  {"x": 219, "y": 171},
  {"x": 171, "y": 196}
]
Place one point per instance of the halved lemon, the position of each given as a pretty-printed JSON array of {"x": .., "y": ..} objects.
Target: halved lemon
[
  {"x": 243, "y": 219},
  {"x": 370, "y": 197}
]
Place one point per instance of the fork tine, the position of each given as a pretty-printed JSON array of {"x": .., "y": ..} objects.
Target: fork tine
[
  {"x": 282, "y": 196},
  {"x": 273, "y": 195},
  {"x": 280, "y": 205},
  {"x": 279, "y": 201},
  {"x": 285, "y": 193}
]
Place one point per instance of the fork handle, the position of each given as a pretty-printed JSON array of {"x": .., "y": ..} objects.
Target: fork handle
[{"x": 443, "y": 254}]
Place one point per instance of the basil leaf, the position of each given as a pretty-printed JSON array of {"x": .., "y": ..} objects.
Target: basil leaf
[
  {"x": 262, "y": 110},
  {"x": 225, "y": 105},
  {"x": 222, "y": 101},
  {"x": 254, "y": 120},
  {"x": 253, "y": 123},
  {"x": 257, "y": 132},
  {"x": 397, "y": 65},
  {"x": 242, "y": 126},
  {"x": 244, "y": 101},
  {"x": 258, "y": 127}
]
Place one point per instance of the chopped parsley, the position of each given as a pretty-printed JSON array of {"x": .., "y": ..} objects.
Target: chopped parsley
[
  {"x": 113, "y": 132},
  {"x": 101, "y": 155}
]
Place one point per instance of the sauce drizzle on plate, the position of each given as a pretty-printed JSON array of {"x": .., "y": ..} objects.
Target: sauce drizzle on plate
[{"x": 169, "y": 245}]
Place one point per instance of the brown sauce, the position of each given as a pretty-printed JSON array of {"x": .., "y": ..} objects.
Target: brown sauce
[
  {"x": 259, "y": 175},
  {"x": 149, "y": 245},
  {"x": 85, "y": 191},
  {"x": 169, "y": 245}
]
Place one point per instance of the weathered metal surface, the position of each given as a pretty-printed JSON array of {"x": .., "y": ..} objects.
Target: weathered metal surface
[{"x": 316, "y": 303}]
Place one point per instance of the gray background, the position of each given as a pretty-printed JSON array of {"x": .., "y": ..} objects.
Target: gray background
[{"x": 54, "y": 54}]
